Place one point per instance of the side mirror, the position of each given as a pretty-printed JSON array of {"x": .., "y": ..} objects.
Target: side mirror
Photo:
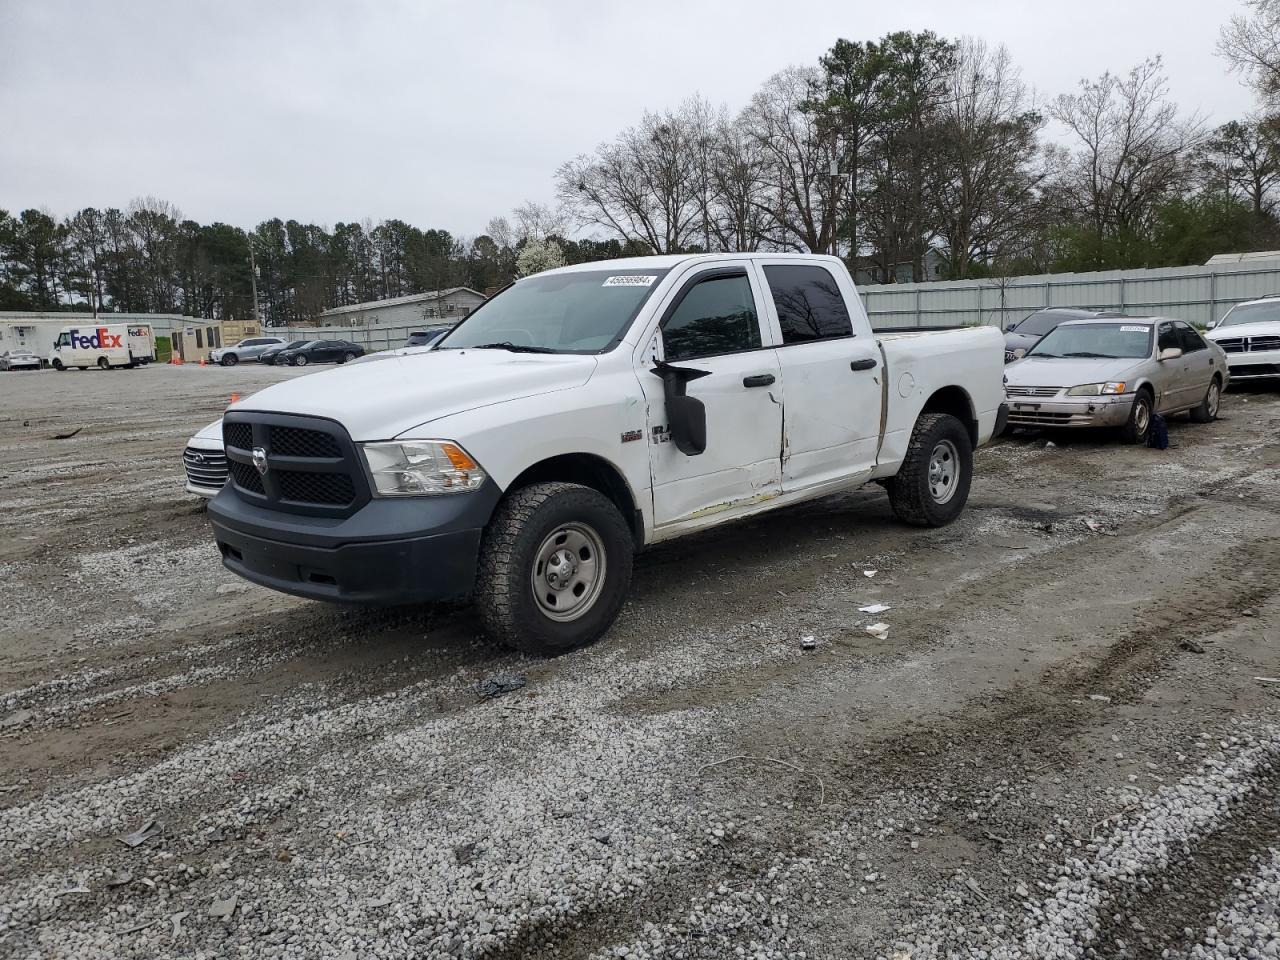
[
  {"x": 1019, "y": 353},
  {"x": 1212, "y": 324},
  {"x": 1170, "y": 353},
  {"x": 686, "y": 416}
]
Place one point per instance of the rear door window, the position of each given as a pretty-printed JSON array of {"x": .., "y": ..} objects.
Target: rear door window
[
  {"x": 809, "y": 303},
  {"x": 717, "y": 315}
]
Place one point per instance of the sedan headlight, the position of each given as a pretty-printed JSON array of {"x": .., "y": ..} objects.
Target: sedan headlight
[
  {"x": 421, "y": 468},
  {"x": 1097, "y": 389}
]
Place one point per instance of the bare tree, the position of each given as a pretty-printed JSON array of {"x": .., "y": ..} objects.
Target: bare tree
[
  {"x": 802, "y": 199},
  {"x": 1243, "y": 159},
  {"x": 538, "y": 221},
  {"x": 738, "y": 177},
  {"x": 643, "y": 187},
  {"x": 986, "y": 141},
  {"x": 1133, "y": 147},
  {"x": 1251, "y": 44}
]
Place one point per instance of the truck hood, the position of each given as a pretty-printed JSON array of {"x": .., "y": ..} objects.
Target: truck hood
[
  {"x": 1069, "y": 372},
  {"x": 382, "y": 400},
  {"x": 1264, "y": 328}
]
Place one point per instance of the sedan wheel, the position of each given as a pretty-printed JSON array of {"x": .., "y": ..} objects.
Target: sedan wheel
[
  {"x": 300, "y": 360},
  {"x": 1207, "y": 411}
]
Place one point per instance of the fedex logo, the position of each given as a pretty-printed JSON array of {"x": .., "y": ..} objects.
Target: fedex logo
[{"x": 100, "y": 339}]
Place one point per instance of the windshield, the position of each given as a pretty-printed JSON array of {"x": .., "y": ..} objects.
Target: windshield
[
  {"x": 578, "y": 312},
  {"x": 1252, "y": 313},
  {"x": 1038, "y": 324},
  {"x": 1103, "y": 340},
  {"x": 294, "y": 344}
]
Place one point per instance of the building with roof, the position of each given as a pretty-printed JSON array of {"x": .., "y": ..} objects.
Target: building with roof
[{"x": 449, "y": 305}]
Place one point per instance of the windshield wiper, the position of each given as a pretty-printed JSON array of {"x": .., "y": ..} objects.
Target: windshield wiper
[
  {"x": 1094, "y": 356},
  {"x": 1048, "y": 356},
  {"x": 513, "y": 347}
]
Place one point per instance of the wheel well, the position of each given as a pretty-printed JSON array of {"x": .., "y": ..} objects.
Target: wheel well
[
  {"x": 589, "y": 471},
  {"x": 954, "y": 401}
]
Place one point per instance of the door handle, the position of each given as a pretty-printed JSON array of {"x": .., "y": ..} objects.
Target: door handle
[
  {"x": 759, "y": 380},
  {"x": 867, "y": 364}
]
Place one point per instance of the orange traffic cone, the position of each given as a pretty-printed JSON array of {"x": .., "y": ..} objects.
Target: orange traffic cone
[
  {"x": 202, "y": 361},
  {"x": 235, "y": 398}
]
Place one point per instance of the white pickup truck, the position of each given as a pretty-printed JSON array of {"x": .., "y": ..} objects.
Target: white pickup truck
[{"x": 584, "y": 413}]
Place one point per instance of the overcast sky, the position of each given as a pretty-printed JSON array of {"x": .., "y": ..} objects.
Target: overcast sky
[{"x": 445, "y": 114}]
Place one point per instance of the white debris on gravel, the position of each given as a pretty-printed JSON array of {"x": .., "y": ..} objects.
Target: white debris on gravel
[{"x": 1248, "y": 926}]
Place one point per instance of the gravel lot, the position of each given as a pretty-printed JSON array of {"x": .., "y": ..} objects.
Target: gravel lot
[{"x": 1060, "y": 750}]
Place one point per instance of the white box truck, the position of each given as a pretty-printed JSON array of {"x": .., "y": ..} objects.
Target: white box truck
[{"x": 103, "y": 345}]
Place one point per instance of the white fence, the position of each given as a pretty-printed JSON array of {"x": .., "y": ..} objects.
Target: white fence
[
  {"x": 1196, "y": 294},
  {"x": 372, "y": 338}
]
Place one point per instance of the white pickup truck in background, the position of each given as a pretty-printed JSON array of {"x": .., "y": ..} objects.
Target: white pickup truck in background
[{"x": 586, "y": 412}]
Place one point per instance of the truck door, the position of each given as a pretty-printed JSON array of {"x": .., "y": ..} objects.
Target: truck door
[
  {"x": 713, "y": 324},
  {"x": 833, "y": 376}
]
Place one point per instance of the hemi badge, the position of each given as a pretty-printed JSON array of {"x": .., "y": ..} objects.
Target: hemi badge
[{"x": 632, "y": 435}]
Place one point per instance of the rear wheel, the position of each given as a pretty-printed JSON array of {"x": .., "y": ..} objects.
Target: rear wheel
[
  {"x": 348, "y": 357},
  {"x": 932, "y": 486},
  {"x": 1207, "y": 412},
  {"x": 555, "y": 565},
  {"x": 1138, "y": 429}
]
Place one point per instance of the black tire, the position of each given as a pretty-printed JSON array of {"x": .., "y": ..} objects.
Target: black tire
[
  {"x": 523, "y": 524},
  {"x": 1138, "y": 428},
  {"x": 59, "y": 365},
  {"x": 104, "y": 363},
  {"x": 1207, "y": 411},
  {"x": 229, "y": 360},
  {"x": 912, "y": 492},
  {"x": 347, "y": 358},
  {"x": 300, "y": 360}
]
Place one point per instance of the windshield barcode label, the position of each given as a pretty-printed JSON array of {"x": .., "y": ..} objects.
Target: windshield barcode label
[
  {"x": 1134, "y": 329},
  {"x": 629, "y": 281}
]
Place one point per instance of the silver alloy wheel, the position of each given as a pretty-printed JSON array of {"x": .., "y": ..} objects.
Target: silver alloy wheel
[
  {"x": 568, "y": 572},
  {"x": 1214, "y": 400},
  {"x": 1142, "y": 416},
  {"x": 300, "y": 360},
  {"x": 944, "y": 471}
]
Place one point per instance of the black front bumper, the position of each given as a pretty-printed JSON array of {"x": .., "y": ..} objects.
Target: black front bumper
[{"x": 390, "y": 551}]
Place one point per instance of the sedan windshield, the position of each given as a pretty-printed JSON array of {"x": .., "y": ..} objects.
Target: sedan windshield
[
  {"x": 1041, "y": 322},
  {"x": 1102, "y": 340},
  {"x": 1252, "y": 313},
  {"x": 577, "y": 312}
]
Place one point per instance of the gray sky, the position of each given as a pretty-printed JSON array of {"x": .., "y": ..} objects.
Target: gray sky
[{"x": 445, "y": 114}]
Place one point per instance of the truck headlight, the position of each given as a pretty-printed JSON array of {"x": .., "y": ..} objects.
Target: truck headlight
[
  {"x": 1097, "y": 389},
  {"x": 421, "y": 468}
]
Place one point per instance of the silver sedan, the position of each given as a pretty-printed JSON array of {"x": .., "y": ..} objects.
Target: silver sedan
[{"x": 1116, "y": 372}]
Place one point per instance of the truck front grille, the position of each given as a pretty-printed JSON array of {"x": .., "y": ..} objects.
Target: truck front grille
[
  {"x": 1249, "y": 344},
  {"x": 205, "y": 468},
  {"x": 312, "y": 467}
]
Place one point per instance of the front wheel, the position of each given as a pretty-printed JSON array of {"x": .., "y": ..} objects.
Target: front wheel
[
  {"x": 230, "y": 360},
  {"x": 347, "y": 358},
  {"x": 555, "y": 565},
  {"x": 1207, "y": 411},
  {"x": 58, "y": 365},
  {"x": 104, "y": 363},
  {"x": 300, "y": 361},
  {"x": 1138, "y": 428},
  {"x": 932, "y": 486}
]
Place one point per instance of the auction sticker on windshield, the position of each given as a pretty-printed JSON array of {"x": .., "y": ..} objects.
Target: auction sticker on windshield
[
  {"x": 1134, "y": 329},
  {"x": 629, "y": 281}
]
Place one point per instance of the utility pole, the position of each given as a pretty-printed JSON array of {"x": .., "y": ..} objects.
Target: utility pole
[{"x": 253, "y": 283}]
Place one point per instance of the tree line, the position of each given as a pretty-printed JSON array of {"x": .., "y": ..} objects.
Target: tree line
[{"x": 885, "y": 152}]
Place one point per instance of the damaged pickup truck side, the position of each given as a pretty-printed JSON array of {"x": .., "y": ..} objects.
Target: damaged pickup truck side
[{"x": 584, "y": 413}]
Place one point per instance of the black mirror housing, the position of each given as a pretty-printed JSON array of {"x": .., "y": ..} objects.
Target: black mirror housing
[{"x": 686, "y": 416}]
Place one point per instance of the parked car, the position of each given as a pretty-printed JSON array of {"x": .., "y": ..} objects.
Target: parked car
[
  {"x": 247, "y": 349},
  {"x": 1116, "y": 373},
  {"x": 269, "y": 355},
  {"x": 205, "y": 462},
  {"x": 19, "y": 359},
  {"x": 424, "y": 338},
  {"x": 320, "y": 351},
  {"x": 1022, "y": 336},
  {"x": 1249, "y": 334},
  {"x": 584, "y": 413}
]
